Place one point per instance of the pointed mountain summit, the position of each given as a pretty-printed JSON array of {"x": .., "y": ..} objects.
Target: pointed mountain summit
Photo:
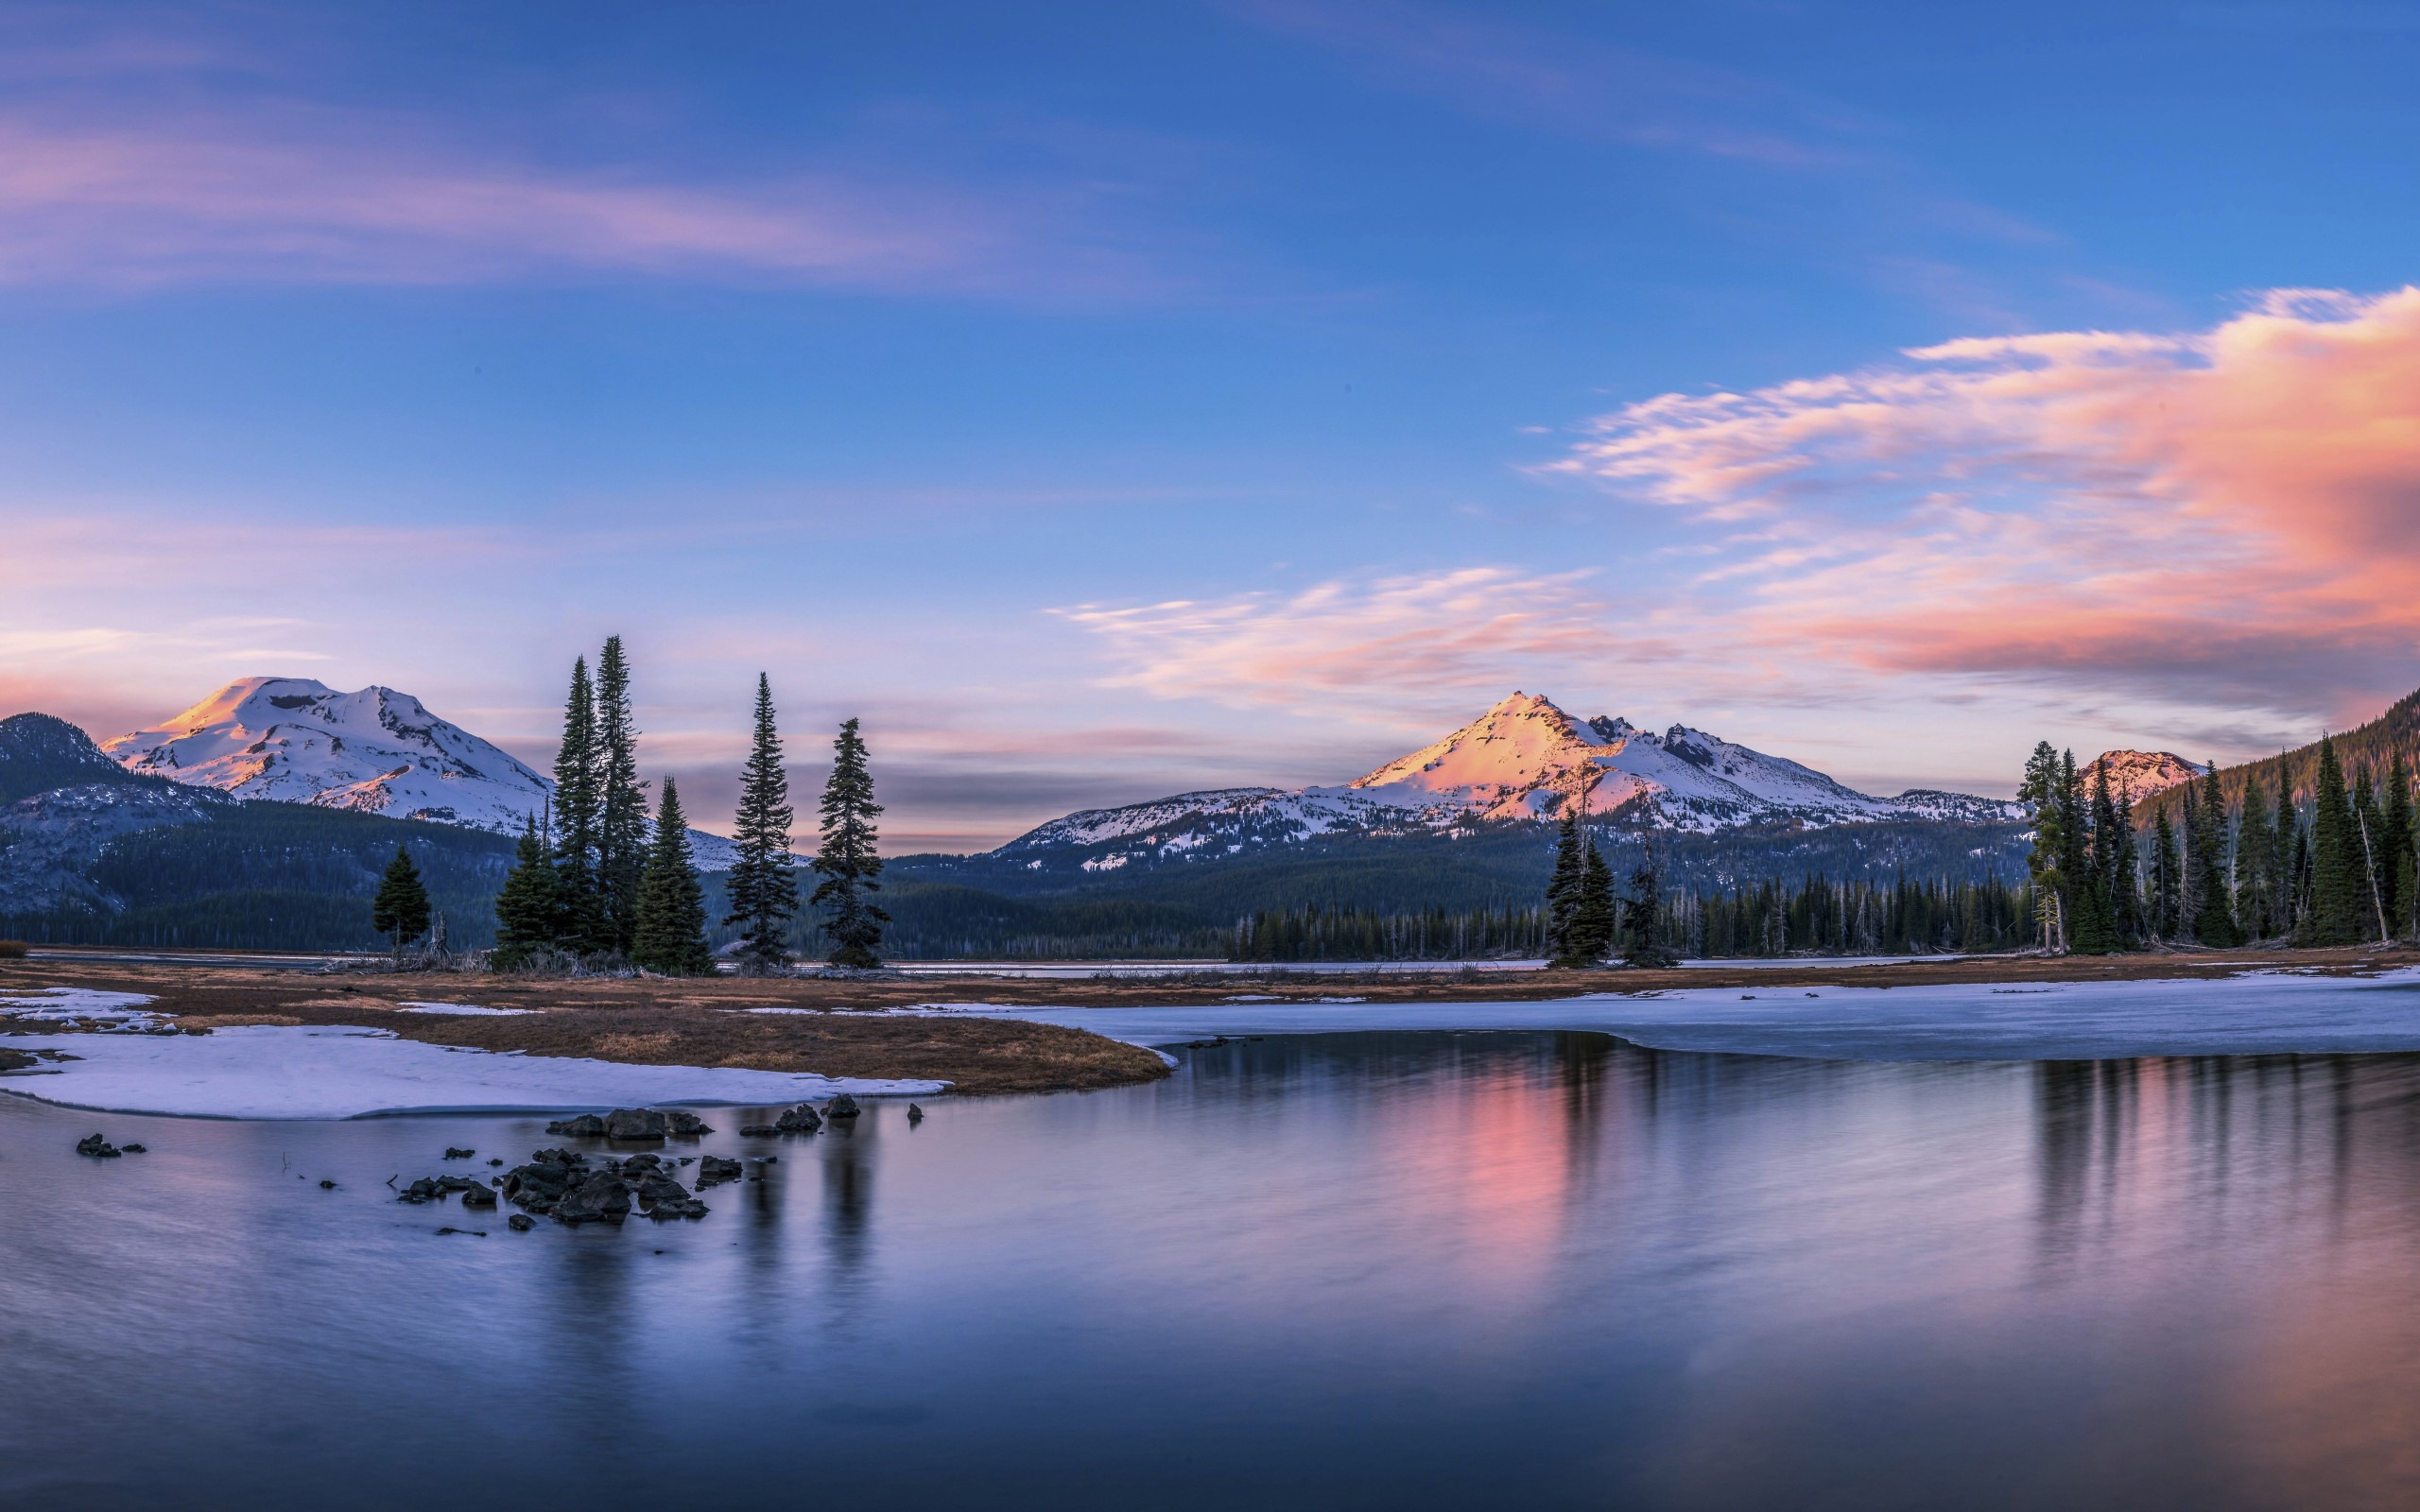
[
  {"x": 2141, "y": 774},
  {"x": 1523, "y": 759},
  {"x": 373, "y": 751}
]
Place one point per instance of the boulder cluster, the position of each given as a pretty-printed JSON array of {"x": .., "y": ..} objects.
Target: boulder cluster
[
  {"x": 804, "y": 1119},
  {"x": 632, "y": 1124},
  {"x": 94, "y": 1145},
  {"x": 564, "y": 1186}
]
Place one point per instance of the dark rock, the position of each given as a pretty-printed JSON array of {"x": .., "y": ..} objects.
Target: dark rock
[
  {"x": 327, "y": 1186},
  {"x": 639, "y": 1164},
  {"x": 496, "y": 1160},
  {"x": 634, "y": 1124},
  {"x": 423, "y": 1190},
  {"x": 802, "y": 1119},
  {"x": 586, "y": 1127},
  {"x": 522, "y": 1223},
  {"x": 714, "y": 1170},
  {"x": 477, "y": 1197},
  {"x": 475, "y": 1233},
  {"x": 843, "y": 1105},
  {"x": 915, "y": 1114},
  {"x": 602, "y": 1197},
  {"x": 772, "y": 1160},
  {"x": 95, "y": 1145},
  {"x": 542, "y": 1183},
  {"x": 661, "y": 1199},
  {"x": 132, "y": 1149},
  {"x": 453, "y": 1153},
  {"x": 685, "y": 1125}
]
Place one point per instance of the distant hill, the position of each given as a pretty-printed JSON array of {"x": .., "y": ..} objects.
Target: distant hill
[{"x": 2363, "y": 749}]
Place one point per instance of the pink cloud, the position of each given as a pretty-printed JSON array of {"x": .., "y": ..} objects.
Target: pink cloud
[
  {"x": 2227, "y": 511},
  {"x": 340, "y": 197}
]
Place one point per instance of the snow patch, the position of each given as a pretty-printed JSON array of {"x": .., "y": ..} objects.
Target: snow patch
[
  {"x": 80, "y": 1005},
  {"x": 462, "y": 1008}
]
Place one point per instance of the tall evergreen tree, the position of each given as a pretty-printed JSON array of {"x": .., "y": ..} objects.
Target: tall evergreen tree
[
  {"x": 2125, "y": 882},
  {"x": 1563, "y": 893},
  {"x": 2042, "y": 792},
  {"x": 530, "y": 907},
  {"x": 2094, "y": 931},
  {"x": 669, "y": 933},
  {"x": 1643, "y": 944},
  {"x": 2287, "y": 839},
  {"x": 1594, "y": 921},
  {"x": 2213, "y": 893},
  {"x": 2080, "y": 922},
  {"x": 621, "y": 804},
  {"x": 400, "y": 911},
  {"x": 2397, "y": 865},
  {"x": 2167, "y": 903},
  {"x": 2339, "y": 899},
  {"x": 847, "y": 860},
  {"x": 580, "y": 922},
  {"x": 2255, "y": 849},
  {"x": 2369, "y": 830},
  {"x": 763, "y": 885}
]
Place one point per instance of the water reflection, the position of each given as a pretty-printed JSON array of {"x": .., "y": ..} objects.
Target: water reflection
[{"x": 1380, "y": 1270}]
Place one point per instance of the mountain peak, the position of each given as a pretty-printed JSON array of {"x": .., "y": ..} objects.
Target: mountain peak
[
  {"x": 2141, "y": 774},
  {"x": 374, "y": 751}
]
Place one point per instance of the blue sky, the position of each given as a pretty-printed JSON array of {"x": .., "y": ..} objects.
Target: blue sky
[{"x": 1109, "y": 400}]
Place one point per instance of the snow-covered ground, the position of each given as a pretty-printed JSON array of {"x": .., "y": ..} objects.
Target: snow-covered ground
[
  {"x": 268, "y": 1071},
  {"x": 464, "y": 1010},
  {"x": 2258, "y": 1013}
]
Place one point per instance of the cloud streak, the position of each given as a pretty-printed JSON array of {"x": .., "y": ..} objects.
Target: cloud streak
[{"x": 2226, "y": 512}]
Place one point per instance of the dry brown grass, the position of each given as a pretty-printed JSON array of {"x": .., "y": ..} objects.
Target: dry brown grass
[{"x": 204, "y": 1023}]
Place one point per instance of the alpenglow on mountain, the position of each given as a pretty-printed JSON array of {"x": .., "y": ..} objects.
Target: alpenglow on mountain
[
  {"x": 376, "y": 752},
  {"x": 1523, "y": 759}
]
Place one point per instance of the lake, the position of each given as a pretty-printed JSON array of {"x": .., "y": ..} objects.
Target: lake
[{"x": 1348, "y": 1270}]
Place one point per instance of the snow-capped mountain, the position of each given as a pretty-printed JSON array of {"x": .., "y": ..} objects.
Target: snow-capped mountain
[
  {"x": 2139, "y": 774},
  {"x": 374, "y": 751},
  {"x": 1523, "y": 759}
]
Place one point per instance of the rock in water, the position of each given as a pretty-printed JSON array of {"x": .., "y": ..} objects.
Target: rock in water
[
  {"x": 586, "y": 1127},
  {"x": 634, "y": 1124},
  {"x": 915, "y": 1114},
  {"x": 843, "y": 1105},
  {"x": 132, "y": 1149},
  {"x": 663, "y": 1198},
  {"x": 522, "y": 1223},
  {"x": 95, "y": 1145},
  {"x": 477, "y": 1197},
  {"x": 601, "y": 1198},
  {"x": 685, "y": 1125},
  {"x": 714, "y": 1170},
  {"x": 453, "y": 1153}
]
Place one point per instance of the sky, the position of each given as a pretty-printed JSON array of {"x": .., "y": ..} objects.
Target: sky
[{"x": 1107, "y": 400}]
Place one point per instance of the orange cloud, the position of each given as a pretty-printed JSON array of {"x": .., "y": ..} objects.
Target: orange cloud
[{"x": 2225, "y": 512}]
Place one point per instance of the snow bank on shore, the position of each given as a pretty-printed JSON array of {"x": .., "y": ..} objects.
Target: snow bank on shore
[
  {"x": 270, "y": 1072},
  {"x": 80, "y": 1004},
  {"x": 2257, "y": 1013}
]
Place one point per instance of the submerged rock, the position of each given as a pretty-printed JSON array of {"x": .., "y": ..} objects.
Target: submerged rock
[
  {"x": 520, "y": 1223},
  {"x": 586, "y": 1127},
  {"x": 843, "y": 1105},
  {"x": 327, "y": 1186},
  {"x": 601, "y": 1197},
  {"x": 453, "y": 1153},
  {"x": 915, "y": 1114},
  {"x": 714, "y": 1170},
  {"x": 477, "y": 1197},
  {"x": 685, "y": 1125},
  {"x": 94, "y": 1145},
  {"x": 132, "y": 1149}
]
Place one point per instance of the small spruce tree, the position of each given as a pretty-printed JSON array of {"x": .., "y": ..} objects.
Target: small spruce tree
[
  {"x": 2396, "y": 864},
  {"x": 1563, "y": 892},
  {"x": 763, "y": 885},
  {"x": 1594, "y": 921},
  {"x": 2255, "y": 847},
  {"x": 2338, "y": 894},
  {"x": 846, "y": 859},
  {"x": 669, "y": 931},
  {"x": 529, "y": 906},
  {"x": 1643, "y": 941},
  {"x": 400, "y": 911},
  {"x": 579, "y": 923},
  {"x": 2167, "y": 871},
  {"x": 2213, "y": 894}
]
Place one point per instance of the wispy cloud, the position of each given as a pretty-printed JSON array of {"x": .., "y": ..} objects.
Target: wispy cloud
[
  {"x": 2225, "y": 513},
  {"x": 1405, "y": 645}
]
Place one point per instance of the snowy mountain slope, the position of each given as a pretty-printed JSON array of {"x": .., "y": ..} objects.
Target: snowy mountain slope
[
  {"x": 61, "y": 802},
  {"x": 1523, "y": 758},
  {"x": 376, "y": 752},
  {"x": 2139, "y": 774},
  {"x": 373, "y": 751}
]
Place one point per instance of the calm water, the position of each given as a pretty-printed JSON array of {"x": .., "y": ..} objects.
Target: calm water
[{"x": 1344, "y": 1271}]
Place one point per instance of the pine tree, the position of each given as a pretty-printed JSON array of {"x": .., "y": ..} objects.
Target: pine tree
[
  {"x": 669, "y": 933},
  {"x": 2369, "y": 828},
  {"x": 2076, "y": 922},
  {"x": 400, "y": 911},
  {"x": 2338, "y": 897},
  {"x": 763, "y": 885},
  {"x": 1643, "y": 945},
  {"x": 579, "y": 923},
  {"x": 2167, "y": 878},
  {"x": 2042, "y": 791},
  {"x": 2094, "y": 932},
  {"x": 2395, "y": 863},
  {"x": 846, "y": 859},
  {"x": 1563, "y": 893},
  {"x": 2286, "y": 839},
  {"x": 2256, "y": 847},
  {"x": 529, "y": 906},
  {"x": 621, "y": 804},
  {"x": 1594, "y": 921},
  {"x": 2125, "y": 885},
  {"x": 2213, "y": 895}
]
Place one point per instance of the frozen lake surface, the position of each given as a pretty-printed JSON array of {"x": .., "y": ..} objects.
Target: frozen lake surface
[{"x": 1368, "y": 1270}]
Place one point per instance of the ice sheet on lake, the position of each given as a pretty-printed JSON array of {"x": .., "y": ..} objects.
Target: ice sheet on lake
[
  {"x": 462, "y": 1008},
  {"x": 270, "y": 1072},
  {"x": 2261, "y": 1013}
]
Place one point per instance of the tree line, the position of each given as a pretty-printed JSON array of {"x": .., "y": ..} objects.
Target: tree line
[
  {"x": 2339, "y": 870},
  {"x": 597, "y": 880}
]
